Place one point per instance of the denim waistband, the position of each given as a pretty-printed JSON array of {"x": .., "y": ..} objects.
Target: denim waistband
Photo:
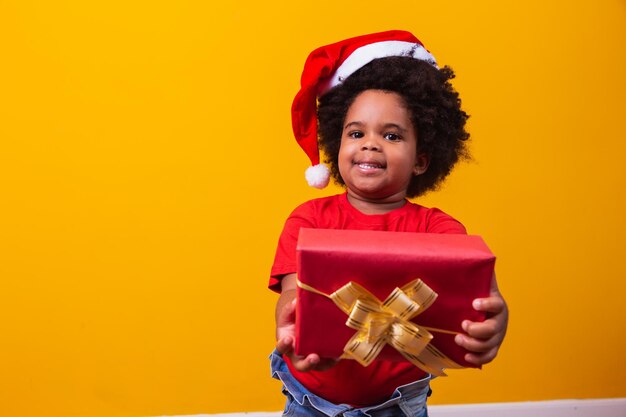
[{"x": 410, "y": 398}]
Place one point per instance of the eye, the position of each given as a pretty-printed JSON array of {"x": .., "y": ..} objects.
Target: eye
[
  {"x": 355, "y": 134},
  {"x": 392, "y": 137}
]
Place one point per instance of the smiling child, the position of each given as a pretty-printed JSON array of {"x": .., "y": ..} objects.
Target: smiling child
[{"x": 391, "y": 127}]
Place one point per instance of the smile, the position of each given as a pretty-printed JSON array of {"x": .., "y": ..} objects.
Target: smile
[{"x": 369, "y": 165}]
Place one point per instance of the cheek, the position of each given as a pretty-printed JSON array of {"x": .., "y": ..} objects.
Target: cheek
[
  {"x": 344, "y": 157},
  {"x": 405, "y": 162},
  {"x": 343, "y": 151}
]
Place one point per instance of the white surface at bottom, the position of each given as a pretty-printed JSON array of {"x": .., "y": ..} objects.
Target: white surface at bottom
[{"x": 610, "y": 407}]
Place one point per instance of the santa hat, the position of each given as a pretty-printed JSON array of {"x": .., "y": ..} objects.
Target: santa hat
[{"x": 329, "y": 66}]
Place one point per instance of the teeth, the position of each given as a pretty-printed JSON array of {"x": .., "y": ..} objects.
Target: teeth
[{"x": 369, "y": 166}]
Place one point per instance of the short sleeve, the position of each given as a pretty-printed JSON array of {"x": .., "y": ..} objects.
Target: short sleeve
[
  {"x": 285, "y": 258},
  {"x": 440, "y": 222}
]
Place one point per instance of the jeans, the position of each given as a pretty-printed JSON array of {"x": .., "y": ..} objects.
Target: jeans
[{"x": 408, "y": 400}]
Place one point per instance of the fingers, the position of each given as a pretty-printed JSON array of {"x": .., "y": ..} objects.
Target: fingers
[
  {"x": 285, "y": 345},
  {"x": 312, "y": 362},
  {"x": 481, "y": 351},
  {"x": 305, "y": 364},
  {"x": 483, "y": 339},
  {"x": 482, "y": 336},
  {"x": 493, "y": 304},
  {"x": 494, "y": 327},
  {"x": 476, "y": 345},
  {"x": 286, "y": 336},
  {"x": 484, "y": 329},
  {"x": 482, "y": 358}
]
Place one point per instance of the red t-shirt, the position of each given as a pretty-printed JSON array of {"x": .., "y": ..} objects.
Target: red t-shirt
[{"x": 348, "y": 382}]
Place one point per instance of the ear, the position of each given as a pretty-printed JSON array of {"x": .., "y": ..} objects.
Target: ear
[{"x": 421, "y": 164}]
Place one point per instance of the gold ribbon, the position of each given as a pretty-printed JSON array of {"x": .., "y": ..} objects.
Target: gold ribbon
[{"x": 378, "y": 323}]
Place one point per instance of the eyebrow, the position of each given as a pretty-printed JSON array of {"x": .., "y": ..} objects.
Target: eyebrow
[
  {"x": 352, "y": 124},
  {"x": 358, "y": 123}
]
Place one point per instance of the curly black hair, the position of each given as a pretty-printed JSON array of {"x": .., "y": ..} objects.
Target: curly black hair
[{"x": 434, "y": 105}]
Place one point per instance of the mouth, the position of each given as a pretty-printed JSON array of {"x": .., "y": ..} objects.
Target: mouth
[{"x": 369, "y": 165}]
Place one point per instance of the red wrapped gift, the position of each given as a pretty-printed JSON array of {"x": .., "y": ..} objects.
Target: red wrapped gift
[{"x": 458, "y": 268}]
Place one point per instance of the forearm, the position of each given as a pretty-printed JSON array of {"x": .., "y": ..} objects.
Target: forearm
[
  {"x": 285, "y": 314},
  {"x": 285, "y": 298}
]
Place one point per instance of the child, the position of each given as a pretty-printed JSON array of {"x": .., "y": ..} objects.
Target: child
[{"x": 391, "y": 126}]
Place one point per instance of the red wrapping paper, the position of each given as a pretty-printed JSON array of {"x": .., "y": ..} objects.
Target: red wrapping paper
[{"x": 458, "y": 268}]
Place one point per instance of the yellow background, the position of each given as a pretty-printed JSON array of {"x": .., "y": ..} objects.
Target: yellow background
[{"x": 147, "y": 165}]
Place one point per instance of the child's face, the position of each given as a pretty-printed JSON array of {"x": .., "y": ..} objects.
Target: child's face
[{"x": 377, "y": 157}]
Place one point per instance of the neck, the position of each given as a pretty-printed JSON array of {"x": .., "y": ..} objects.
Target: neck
[{"x": 375, "y": 206}]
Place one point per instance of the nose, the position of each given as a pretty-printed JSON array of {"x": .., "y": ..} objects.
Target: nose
[{"x": 370, "y": 144}]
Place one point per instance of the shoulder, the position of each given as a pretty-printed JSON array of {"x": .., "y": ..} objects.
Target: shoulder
[
  {"x": 434, "y": 220},
  {"x": 317, "y": 208}
]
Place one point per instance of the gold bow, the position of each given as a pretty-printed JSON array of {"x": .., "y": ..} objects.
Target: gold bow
[{"x": 378, "y": 323}]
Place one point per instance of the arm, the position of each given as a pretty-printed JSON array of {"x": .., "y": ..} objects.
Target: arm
[
  {"x": 483, "y": 339},
  {"x": 286, "y": 329}
]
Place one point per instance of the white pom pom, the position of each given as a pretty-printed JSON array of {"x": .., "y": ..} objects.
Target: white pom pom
[{"x": 317, "y": 176}]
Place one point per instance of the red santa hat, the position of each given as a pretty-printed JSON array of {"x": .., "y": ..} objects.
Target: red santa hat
[{"x": 327, "y": 67}]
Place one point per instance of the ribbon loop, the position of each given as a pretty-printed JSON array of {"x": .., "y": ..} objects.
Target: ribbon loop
[
  {"x": 346, "y": 297},
  {"x": 401, "y": 305}
]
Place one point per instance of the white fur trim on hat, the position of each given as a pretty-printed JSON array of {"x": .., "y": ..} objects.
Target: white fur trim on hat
[
  {"x": 366, "y": 54},
  {"x": 317, "y": 176}
]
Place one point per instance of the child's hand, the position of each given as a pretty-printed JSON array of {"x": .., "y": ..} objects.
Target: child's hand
[
  {"x": 483, "y": 339},
  {"x": 286, "y": 333}
]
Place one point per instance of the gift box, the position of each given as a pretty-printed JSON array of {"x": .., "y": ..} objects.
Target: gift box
[{"x": 457, "y": 268}]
